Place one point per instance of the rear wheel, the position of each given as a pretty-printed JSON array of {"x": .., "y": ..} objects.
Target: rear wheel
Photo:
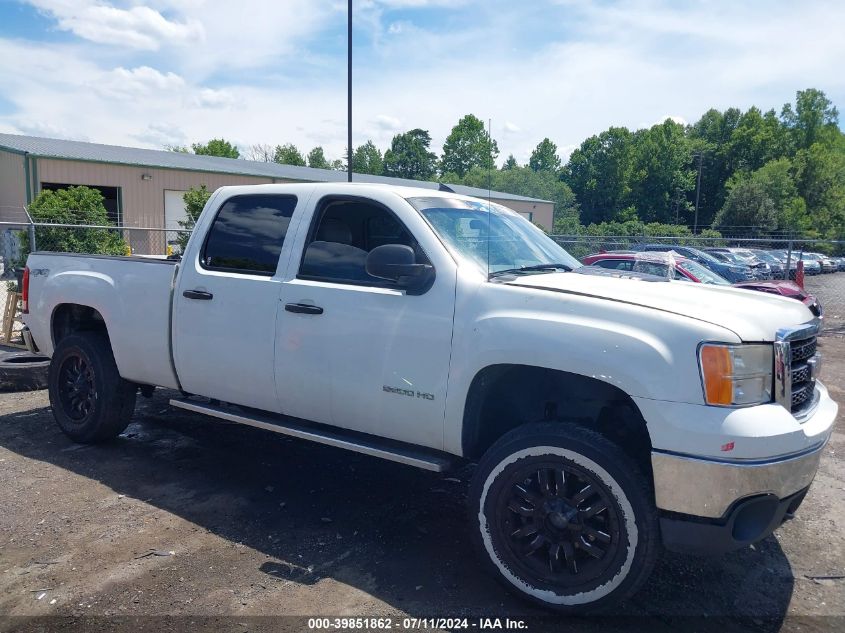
[
  {"x": 563, "y": 517},
  {"x": 90, "y": 401}
]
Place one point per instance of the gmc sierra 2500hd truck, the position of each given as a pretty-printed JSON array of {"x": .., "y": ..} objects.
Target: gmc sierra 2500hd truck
[{"x": 610, "y": 414}]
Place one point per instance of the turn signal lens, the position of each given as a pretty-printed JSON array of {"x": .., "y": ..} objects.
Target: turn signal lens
[
  {"x": 737, "y": 375},
  {"x": 716, "y": 370}
]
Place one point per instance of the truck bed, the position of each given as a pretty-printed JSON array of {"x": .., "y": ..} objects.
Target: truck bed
[{"x": 132, "y": 294}]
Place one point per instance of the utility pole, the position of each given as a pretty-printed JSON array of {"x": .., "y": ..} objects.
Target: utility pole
[
  {"x": 349, "y": 93},
  {"x": 697, "y": 190}
]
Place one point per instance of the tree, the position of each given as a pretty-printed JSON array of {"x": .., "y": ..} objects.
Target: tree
[
  {"x": 338, "y": 165},
  {"x": 600, "y": 172},
  {"x": 662, "y": 175},
  {"x": 510, "y": 162},
  {"x": 544, "y": 157},
  {"x": 813, "y": 118},
  {"x": 409, "y": 156},
  {"x": 195, "y": 199},
  {"x": 288, "y": 154},
  {"x": 260, "y": 152},
  {"x": 777, "y": 179},
  {"x": 216, "y": 147},
  {"x": 74, "y": 205},
  {"x": 524, "y": 181},
  {"x": 317, "y": 159},
  {"x": 820, "y": 179},
  {"x": 468, "y": 145},
  {"x": 748, "y": 207},
  {"x": 367, "y": 159}
]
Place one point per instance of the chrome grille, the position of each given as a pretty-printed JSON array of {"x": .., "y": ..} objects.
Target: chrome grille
[
  {"x": 802, "y": 358},
  {"x": 802, "y": 350},
  {"x": 796, "y": 367}
]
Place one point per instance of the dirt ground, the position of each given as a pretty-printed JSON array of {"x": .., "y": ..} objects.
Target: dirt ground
[{"x": 214, "y": 523}]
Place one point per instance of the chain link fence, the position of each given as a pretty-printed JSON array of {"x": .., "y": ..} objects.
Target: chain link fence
[{"x": 823, "y": 260}]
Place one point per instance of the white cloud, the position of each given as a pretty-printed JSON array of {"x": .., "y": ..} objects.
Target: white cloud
[
  {"x": 162, "y": 135},
  {"x": 611, "y": 64},
  {"x": 387, "y": 123},
  {"x": 132, "y": 83},
  {"x": 209, "y": 98},
  {"x": 137, "y": 27}
]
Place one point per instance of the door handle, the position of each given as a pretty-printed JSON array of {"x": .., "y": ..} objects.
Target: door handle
[
  {"x": 202, "y": 295},
  {"x": 303, "y": 308}
]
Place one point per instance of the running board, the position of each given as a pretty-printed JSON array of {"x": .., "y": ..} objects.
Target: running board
[{"x": 358, "y": 442}]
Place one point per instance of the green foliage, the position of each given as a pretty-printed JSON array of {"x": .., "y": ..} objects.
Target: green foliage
[
  {"x": 748, "y": 205},
  {"x": 317, "y": 159},
  {"x": 600, "y": 174},
  {"x": 216, "y": 147},
  {"x": 510, "y": 162},
  {"x": 288, "y": 154},
  {"x": 367, "y": 159},
  {"x": 814, "y": 118},
  {"x": 409, "y": 156},
  {"x": 544, "y": 157},
  {"x": 524, "y": 181},
  {"x": 74, "y": 205},
  {"x": 195, "y": 199},
  {"x": 468, "y": 145}
]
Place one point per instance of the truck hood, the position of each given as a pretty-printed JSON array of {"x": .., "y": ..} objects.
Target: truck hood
[{"x": 752, "y": 316}]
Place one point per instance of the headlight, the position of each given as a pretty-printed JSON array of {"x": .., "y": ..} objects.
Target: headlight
[{"x": 736, "y": 375}]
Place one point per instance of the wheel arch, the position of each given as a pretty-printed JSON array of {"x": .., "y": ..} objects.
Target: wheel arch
[
  {"x": 68, "y": 318},
  {"x": 502, "y": 397}
]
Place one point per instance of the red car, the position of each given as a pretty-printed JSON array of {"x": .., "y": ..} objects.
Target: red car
[{"x": 683, "y": 269}]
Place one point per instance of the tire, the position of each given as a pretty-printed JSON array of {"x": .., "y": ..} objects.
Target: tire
[
  {"x": 90, "y": 401},
  {"x": 551, "y": 543},
  {"x": 22, "y": 371}
]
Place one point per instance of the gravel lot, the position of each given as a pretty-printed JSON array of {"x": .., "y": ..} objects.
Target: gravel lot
[{"x": 184, "y": 516}]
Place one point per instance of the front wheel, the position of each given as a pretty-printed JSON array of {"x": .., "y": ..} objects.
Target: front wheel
[
  {"x": 90, "y": 401},
  {"x": 563, "y": 517}
]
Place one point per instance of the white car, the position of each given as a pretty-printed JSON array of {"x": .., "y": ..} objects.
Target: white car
[{"x": 610, "y": 413}]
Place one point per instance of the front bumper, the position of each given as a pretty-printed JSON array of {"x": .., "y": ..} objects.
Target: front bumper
[
  {"x": 709, "y": 488},
  {"x": 748, "y": 521}
]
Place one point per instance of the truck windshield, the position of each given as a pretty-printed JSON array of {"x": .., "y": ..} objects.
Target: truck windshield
[{"x": 515, "y": 244}]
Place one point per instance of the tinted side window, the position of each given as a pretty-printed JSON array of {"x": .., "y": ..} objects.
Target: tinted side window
[
  {"x": 344, "y": 233},
  {"x": 615, "y": 264},
  {"x": 248, "y": 233}
]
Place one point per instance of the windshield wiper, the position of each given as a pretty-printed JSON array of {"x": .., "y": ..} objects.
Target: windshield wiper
[{"x": 528, "y": 269}]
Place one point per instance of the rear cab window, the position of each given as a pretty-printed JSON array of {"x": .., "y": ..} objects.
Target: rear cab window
[{"x": 248, "y": 233}]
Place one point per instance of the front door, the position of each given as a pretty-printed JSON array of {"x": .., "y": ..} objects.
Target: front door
[
  {"x": 226, "y": 303},
  {"x": 355, "y": 351}
]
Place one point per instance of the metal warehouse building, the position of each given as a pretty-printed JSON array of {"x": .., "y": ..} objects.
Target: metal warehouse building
[{"x": 144, "y": 187}]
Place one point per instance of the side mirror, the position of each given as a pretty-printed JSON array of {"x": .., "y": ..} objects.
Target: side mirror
[{"x": 398, "y": 263}]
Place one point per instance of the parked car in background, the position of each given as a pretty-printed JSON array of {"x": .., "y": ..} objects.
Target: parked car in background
[
  {"x": 776, "y": 266},
  {"x": 732, "y": 272},
  {"x": 682, "y": 269},
  {"x": 840, "y": 263},
  {"x": 759, "y": 268},
  {"x": 827, "y": 263},
  {"x": 727, "y": 257},
  {"x": 812, "y": 264}
]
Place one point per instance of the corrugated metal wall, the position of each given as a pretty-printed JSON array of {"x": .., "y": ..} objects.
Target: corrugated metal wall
[{"x": 12, "y": 181}]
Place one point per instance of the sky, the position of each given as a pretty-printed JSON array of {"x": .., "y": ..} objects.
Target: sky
[{"x": 173, "y": 72}]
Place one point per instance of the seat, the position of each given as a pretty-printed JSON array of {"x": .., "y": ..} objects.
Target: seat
[{"x": 332, "y": 256}]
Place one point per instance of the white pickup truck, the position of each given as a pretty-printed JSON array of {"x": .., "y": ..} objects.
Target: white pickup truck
[{"x": 610, "y": 413}]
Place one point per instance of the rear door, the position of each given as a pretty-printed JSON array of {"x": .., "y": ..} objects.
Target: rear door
[{"x": 226, "y": 302}]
